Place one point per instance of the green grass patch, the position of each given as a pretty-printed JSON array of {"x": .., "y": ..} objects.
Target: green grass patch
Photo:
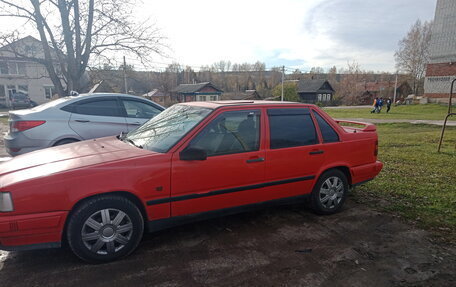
[
  {"x": 4, "y": 120},
  {"x": 408, "y": 112},
  {"x": 416, "y": 181}
]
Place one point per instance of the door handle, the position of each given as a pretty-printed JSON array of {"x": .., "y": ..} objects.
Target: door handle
[
  {"x": 316, "y": 152},
  {"x": 136, "y": 123},
  {"x": 260, "y": 159},
  {"x": 82, "y": 121}
]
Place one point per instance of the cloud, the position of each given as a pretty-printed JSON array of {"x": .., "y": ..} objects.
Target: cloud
[
  {"x": 366, "y": 31},
  {"x": 295, "y": 33}
]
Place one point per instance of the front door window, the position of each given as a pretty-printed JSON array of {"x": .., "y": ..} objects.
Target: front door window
[{"x": 230, "y": 132}]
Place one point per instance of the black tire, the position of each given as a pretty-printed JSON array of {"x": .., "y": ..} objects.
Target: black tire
[
  {"x": 336, "y": 183},
  {"x": 65, "y": 141},
  {"x": 107, "y": 243}
]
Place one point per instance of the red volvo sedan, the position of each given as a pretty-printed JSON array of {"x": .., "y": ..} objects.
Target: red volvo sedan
[{"x": 193, "y": 161}]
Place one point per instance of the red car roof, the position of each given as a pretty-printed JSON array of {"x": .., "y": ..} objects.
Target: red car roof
[{"x": 218, "y": 104}]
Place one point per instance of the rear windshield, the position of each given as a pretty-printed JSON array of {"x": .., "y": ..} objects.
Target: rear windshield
[
  {"x": 20, "y": 96},
  {"x": 51, "y": 104}
]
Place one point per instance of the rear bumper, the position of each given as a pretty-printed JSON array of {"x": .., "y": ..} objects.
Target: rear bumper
[
  {"x": 365, "y": 172},
  {"x": 31, "y": 231},
  {"x": 22, "y": 142}
]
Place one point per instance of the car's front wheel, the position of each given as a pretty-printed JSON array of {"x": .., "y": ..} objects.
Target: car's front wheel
[
  {"x": 105, "y": 228},
  {"x": 329, "y": 193}
]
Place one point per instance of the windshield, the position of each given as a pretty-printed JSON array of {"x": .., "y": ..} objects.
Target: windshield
[{"x": 162, "y": 132}]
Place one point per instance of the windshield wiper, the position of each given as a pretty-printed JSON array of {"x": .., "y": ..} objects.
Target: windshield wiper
[
  {"x": 133, "y": 143},
  {"x": 122, "y": 136}
]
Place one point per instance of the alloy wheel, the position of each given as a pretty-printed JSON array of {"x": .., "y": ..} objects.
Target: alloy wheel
[
  {"x": 331, "y": 192},
  {"x": 107, "y": 231}
]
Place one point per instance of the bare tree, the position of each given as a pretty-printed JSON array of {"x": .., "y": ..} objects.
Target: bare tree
[
  {"x": 349, "y": 89},
  {"x": 72, "y": 32},
  {"x": 413, "y": 52}
]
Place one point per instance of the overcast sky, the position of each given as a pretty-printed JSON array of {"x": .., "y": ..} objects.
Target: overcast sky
[{"x": 295, "y": 33}]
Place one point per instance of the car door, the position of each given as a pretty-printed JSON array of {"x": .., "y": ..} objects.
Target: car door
[
  {"x": 99, "y": 117},
  {"x": 137, "y": 112},
  {"x": 295, "y": 154},
  {"x": 234, "y": 165}
]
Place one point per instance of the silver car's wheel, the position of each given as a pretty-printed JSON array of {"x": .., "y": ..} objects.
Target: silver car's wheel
[
  {"x": 107, "y": 231},
  {"x": 105, "y": 228},
  {"x": 329, "y": 193}
]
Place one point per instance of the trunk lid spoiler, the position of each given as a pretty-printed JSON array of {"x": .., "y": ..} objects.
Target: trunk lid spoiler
[{"x": 354, "y": 126}]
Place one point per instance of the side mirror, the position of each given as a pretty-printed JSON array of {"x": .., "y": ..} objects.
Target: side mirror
[{"x": 193, "y": 154}]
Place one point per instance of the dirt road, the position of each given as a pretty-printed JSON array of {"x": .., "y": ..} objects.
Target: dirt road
[{"x": 286, "y": 245}]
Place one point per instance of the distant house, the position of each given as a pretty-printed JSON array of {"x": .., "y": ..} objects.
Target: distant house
[
  {"x": 247, "y": 95},
  {"x": 197, "y": 92},
  {"x": 157, "y": 96},
  {"x": 20, "y": 75},
  {"x": 312, "y": 91},
  {"x": 372, "y": 90}
]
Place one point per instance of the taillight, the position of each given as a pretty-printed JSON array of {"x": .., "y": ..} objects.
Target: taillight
[
  {"x": 376, "y": 148},
  {"x": 20, "y": 126}
]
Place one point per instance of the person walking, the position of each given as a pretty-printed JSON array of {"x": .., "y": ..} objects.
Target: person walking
[
  {"x": 388, "y": 105},
  {"x": 375, "y": 105},
  {"x": 380, "y": 105}
]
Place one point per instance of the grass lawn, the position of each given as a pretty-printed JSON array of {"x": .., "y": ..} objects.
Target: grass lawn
[
  {"x": 409, "y": 112},
  {"x": 416, "y": 181}
]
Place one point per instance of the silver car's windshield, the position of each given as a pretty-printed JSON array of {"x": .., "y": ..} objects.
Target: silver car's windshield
[{"x": 162, "y": 132}]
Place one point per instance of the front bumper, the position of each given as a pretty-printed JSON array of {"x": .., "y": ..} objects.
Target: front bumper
[{"x": 31, "y": 231}]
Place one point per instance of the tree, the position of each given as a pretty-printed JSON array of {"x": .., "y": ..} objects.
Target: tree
[
  {"x": 349, "y": 89},
  {"x": 72, "y": 32},
  {"x": 413, "y": 52},
  {"x": 290, "y": 92}
]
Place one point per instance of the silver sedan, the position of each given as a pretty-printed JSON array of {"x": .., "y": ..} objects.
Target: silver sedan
[{"x": 72, "y": 119}]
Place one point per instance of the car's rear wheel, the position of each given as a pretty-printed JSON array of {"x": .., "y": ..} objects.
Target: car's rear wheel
[
  {"x": 104, "y": 229},
  {"x": 65, "y": 141},
  {"x": 329, "y": 193}
]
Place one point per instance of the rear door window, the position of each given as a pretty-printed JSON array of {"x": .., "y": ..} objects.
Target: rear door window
[
  {"x": 291, "y": 128},
  {"x": 107, "y": 108},
  {"x": 328, "y": 133}
]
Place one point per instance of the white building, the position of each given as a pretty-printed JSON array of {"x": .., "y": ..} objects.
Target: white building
[{"x": 18, "y": 74}]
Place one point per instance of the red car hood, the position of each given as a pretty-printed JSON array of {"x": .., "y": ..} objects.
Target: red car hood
[{"x": 70, "y": 156}]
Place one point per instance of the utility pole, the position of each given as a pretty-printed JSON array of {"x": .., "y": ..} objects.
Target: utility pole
[
  {"x": 125, "y": 75},
  {"x": 283, "y": 75},
  {"x": 395, "y": 88}
]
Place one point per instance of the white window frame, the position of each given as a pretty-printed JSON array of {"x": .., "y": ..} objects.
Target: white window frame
[
  {"x": 20, "y": 90},
  {"x": 52, "y": 89},
  {"x": 13, "y": 68},
  {"x": 200, "y": 98}
]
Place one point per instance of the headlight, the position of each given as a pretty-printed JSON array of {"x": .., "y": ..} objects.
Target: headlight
[{"x": 6, "y": 202}]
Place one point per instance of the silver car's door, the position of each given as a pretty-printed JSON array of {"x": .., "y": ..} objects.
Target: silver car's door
[
  {"x": 98, "y": 117},
  {"x": 138, "y": 112}
]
